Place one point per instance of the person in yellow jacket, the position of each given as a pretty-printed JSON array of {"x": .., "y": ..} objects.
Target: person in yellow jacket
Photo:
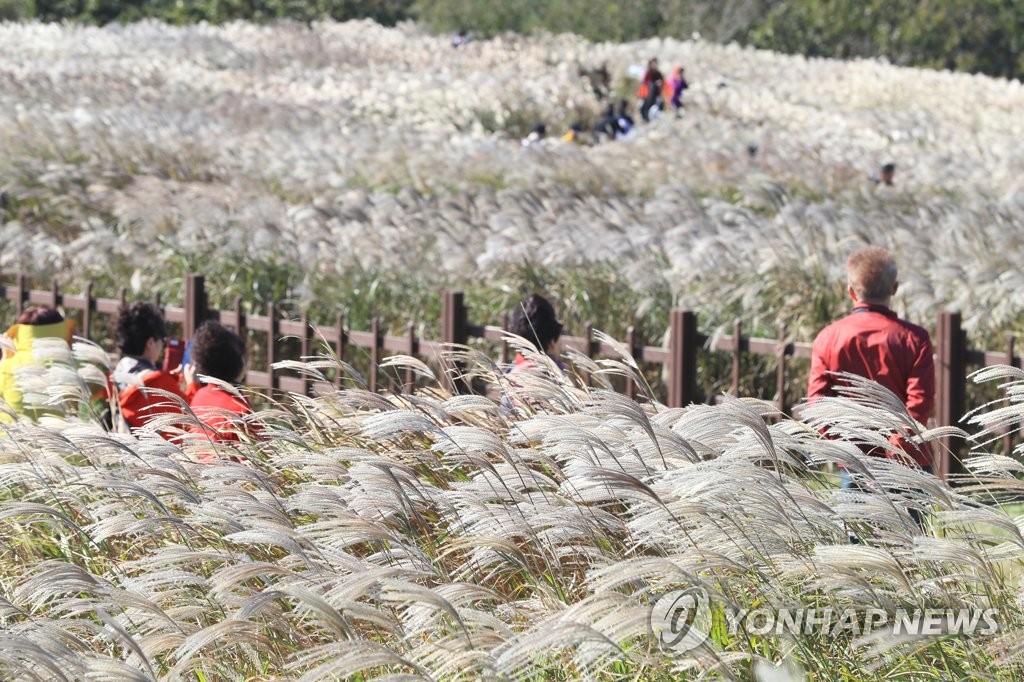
[{"x": 34, "y": 323}]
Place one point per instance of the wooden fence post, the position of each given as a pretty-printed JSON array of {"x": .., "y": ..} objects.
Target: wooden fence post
[
  {"x": 454, "y": 330},
  {"x": 273, "y": 328},
  {"x": 780, "y": 370},
  {"x": 304, "y": 343},
  {"x": 374, "y": 353},
  {"x": 682, "y": 363},
  {"x": 409, "y": 384},
  {"x": 90, "y": 306},
  {"x": 737, "y": 356},
  {"x": 951, "y": 389},
  {"x": 195, "y": 304},
  {"x": 1011, "y": 341},
  {"x": 239, "y": 310},
  {"x": 22, "y": 293},
  {"x": 339, "y": 348},
  {"x": 591, "y": 351},
  {"x": 631, "y": 345},
  {"x": 506, "y": 355}
]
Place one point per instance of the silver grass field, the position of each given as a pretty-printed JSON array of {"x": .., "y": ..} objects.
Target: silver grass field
[
  {"x": 133, "y": 154},
  {"x": 432, "y": 536}
]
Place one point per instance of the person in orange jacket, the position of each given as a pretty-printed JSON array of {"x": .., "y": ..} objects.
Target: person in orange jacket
[
  {"x": 219, "y": 353},
  {"x": 140, "y": 334},
  {"x": 651, "y": 89}
]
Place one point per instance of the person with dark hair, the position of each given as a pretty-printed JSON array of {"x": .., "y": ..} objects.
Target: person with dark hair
[
  {"x": 606, "y": 124},
  {"x": 574, "y": 134},
  {"x": 651, "y": 88},
  {"x": 885, "y": 174},
  {"x": 676, "y": 85},
  {"x": 623, "y": 121},
  {"x": 139, "y": 332},
  {"x": 33, "y": 323},
  {"x": 219, "y": 353},
  {"x": 535, "y": 320},
  {"x": 537, "y": 134}
]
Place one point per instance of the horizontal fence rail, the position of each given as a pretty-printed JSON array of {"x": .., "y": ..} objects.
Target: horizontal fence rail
[{"x": 679, "y": 358}]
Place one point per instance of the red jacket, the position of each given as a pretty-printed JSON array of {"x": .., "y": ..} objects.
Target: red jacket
[
  {"x": 219, "y": 411},
  {"x": 872, "y": 342},
  {"x": 133, "y": 377}
]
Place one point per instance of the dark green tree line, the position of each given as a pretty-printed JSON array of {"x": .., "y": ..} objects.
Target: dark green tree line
[{"x": 983, "y": 36}]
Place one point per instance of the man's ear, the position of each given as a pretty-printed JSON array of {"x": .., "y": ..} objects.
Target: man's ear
[
  {"x": 852, "y": 294},
  {"x": 895, "y": 286}
]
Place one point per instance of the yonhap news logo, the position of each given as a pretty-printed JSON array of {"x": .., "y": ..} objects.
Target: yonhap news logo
[{"x": 682, "y": 620}]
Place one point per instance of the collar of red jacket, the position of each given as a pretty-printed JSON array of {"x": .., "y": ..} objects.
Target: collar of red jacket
[{"x": 862, "y": 307}]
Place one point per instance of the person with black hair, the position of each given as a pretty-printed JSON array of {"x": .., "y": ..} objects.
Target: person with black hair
[
  {"x": 606, "y": 124},
  {"x": 652, "y": 86},
  {"x": 885, "y": 174},
  {"x": 623, "y": 121},
  {"x": 140, "y": 335},
  {"x": 535, "y": 320},
  {"x": 219, "y": 353},
  {"x": 537, "y": 134}
]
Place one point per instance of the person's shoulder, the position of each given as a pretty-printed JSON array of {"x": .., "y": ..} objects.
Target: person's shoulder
[
  {"x": 157, "y": 378},
  {"x": 914, "y": 330},
  {"x": 212, "y": 395},
  {"x": 831, "y": 329},
  {"x": 204, "y": 395}
]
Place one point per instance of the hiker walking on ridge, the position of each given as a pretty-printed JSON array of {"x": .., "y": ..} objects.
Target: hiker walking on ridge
[
  {"x": 676, "y": 85},
  {"x": 606, "y": 124},
  {"x": 623, "y": 121},
  {"x": 650, "y": 88},
  {"x": 885, "y": 174}
]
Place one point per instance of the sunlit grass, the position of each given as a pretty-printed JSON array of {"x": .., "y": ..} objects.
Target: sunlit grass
[{"x": 447, "y": 537}]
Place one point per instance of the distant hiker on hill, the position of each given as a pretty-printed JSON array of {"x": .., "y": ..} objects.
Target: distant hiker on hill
[
  {"x": 536, "y": 135},
  {"x": 650, "y": 88},
  {"x": 461, "y": 38},
  {"x": 574, "y": 134},
  {"x": 607, "y": 124},
  {"x": 884, "y": 175},
  {"x": 599, "y": 80},
  {"x": 623, "y": 121},
  {"x": 677, "y": 84}
]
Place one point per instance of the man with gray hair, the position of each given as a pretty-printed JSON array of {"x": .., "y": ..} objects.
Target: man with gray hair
[{"x": 873, "y": 342}]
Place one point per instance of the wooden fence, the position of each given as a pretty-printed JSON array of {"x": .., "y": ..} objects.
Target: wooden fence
[{"x": 679, "y": 357}]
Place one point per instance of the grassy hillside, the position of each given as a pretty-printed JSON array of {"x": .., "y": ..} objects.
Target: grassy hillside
[{"x": 352, "y": 166}]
